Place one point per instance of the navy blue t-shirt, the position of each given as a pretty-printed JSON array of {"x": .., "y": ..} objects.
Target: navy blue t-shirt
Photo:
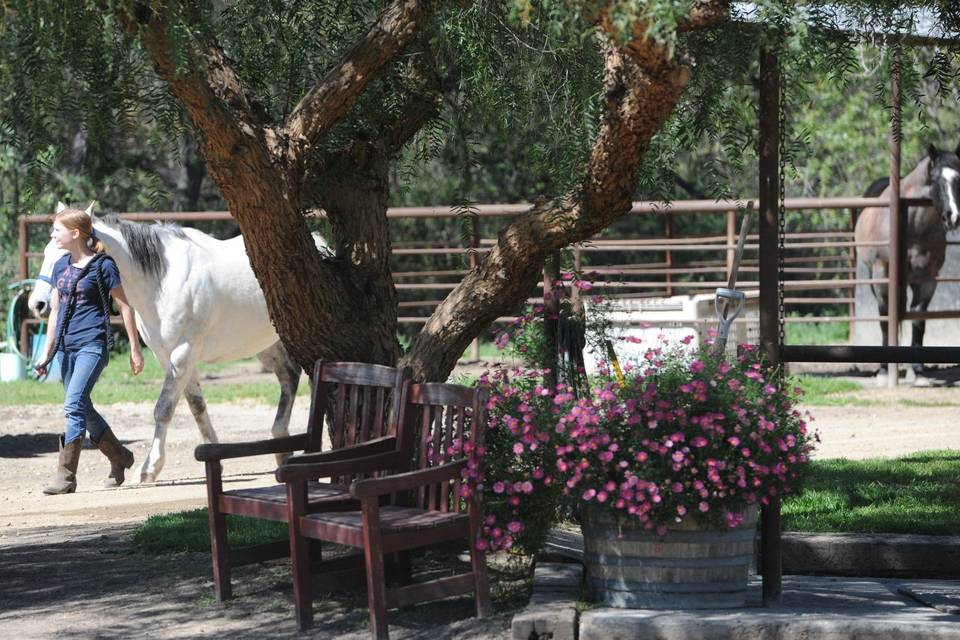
[{"x": 88, "y": 322}]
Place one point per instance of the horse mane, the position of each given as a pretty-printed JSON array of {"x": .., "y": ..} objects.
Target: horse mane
[{"x": 145, "y": 242}]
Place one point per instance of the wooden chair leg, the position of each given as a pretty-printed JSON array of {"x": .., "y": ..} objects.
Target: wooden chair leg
[
  {"x": 300, "y": 559},
  {"x": 373, "y": 558},
  {"x": 478, "y": 561},
  {"x": 481, "y": 580},
  {"x": 219, "y": 545},
  {"x": 220, "y": 554}
]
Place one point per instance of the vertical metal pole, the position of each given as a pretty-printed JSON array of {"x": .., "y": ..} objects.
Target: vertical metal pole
[
  {"x": 669, "y": 230},
  {"x": 852, "y": 274},
  {"x": 475, "y": 243},
  {"x": 551, "y": 315},
  {"x": 576, "y": 301},
  {"x": 769, "y": 192},
  {"x": 893, "y": 265},
  {"x": 731, "y": 240},
  {"x": 23, "y": 246}
]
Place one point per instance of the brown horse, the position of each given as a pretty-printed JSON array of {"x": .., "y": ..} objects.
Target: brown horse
[{"x": 937, "y": 177}]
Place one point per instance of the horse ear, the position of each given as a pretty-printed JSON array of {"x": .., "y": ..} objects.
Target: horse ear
[
  {"x": 932, "y": 151},
  {"x": 957, "y": 150},
  {"x": 89, "y": 210},
  {"x": 60, "y": 206}
]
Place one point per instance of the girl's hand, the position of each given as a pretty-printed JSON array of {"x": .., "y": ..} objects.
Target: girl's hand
[
  {"x": 136, "y": 361},
  {"x": 40, "y": 370}
]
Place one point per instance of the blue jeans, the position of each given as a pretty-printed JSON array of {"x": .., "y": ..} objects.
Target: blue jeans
[{"x": 81, "y": 369}]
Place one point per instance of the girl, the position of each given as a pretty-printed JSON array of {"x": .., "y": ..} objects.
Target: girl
[{"x": 79, "y": 318}]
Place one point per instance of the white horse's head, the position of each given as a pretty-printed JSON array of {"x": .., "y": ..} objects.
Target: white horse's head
[{"x": 39, "y": 300}]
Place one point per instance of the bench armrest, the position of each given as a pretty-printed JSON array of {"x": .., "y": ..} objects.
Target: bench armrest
[
  {"x": 365, "y": 464},
  {"x": 404, "y": 481},
  {"x": 209, "y": 452},
  {"x": 385, "y": 444}
]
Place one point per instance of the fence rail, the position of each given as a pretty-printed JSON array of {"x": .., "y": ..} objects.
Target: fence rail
[{"x": 662, "y": 272}]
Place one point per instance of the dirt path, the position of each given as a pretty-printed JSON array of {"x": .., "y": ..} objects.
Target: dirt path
[
  {"x": 881, "y": 425},
  {"x": 28, "y": 457},
  {"x": 65, "y": 571}
]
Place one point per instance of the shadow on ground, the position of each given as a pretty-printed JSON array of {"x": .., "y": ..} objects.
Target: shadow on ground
[
  {"x": 29, "y": 445},
  {"x": 85, "y": 582}
]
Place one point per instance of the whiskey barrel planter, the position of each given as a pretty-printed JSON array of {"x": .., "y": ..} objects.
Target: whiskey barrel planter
[{"x": 696, "y": 565}]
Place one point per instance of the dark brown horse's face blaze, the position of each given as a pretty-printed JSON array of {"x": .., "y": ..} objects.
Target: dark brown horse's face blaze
[{"x": 945, "y": 186}]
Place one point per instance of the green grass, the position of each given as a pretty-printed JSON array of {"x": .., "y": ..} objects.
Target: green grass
[
  {"x": 117, "y": 384},
  {"x": 810, "y": 333},
  {"x": 189, "y": 532},
  {"x": 918, "y": 493},
  {"x": 822, "y": 391}
]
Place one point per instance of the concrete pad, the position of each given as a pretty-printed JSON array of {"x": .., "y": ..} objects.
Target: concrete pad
[
  {"x": 552, "y": 612},
  {"x": 876, "y": 555},
  {"x": 545, "y": 621},
  {"x": 813, "y": 608}
]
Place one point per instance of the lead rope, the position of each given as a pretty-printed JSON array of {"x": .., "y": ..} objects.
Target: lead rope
[{"x": 95, "y": 261}]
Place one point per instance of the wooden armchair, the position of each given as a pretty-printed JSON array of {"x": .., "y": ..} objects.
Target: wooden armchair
[
  {"x": 448, "y": 416},
  {"x": 363, "y": 405}
]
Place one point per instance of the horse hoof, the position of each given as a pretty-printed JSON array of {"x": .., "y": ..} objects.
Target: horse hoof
[
  {"x": 148, "y": 477},
  {"x": 922, "y": 381}
]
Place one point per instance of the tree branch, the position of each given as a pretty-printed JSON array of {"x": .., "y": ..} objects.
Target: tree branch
[
  {"x": 339, "y": 89},
  {"x": 423, "y": 101},
  {"x": 641, "y": 86},
  {"x": 220, "y": 106},
  {"x": 706, "y": 13}
]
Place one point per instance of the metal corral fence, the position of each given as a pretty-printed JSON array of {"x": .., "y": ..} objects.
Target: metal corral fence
[{"x": 819, "y": 267}]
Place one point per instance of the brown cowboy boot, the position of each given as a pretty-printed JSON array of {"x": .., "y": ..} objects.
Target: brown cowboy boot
[
  {"x": 65, "y": 480},
  {"x": 119, "y": 456}
]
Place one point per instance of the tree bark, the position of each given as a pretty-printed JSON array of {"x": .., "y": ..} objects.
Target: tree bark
[
  {"x": 642, "y": 83},
  {"x": 345, "y": 307}
]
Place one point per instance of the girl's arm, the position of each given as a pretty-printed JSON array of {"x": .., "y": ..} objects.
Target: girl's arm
[
  {"x": 130, "y": 325},
  {"x": 52, "y": 332}
]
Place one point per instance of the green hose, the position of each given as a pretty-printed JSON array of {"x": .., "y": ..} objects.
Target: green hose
[{"x": 12, "y": 332}]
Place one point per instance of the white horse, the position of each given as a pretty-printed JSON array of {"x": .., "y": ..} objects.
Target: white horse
[{"x": 196, "y": 300}]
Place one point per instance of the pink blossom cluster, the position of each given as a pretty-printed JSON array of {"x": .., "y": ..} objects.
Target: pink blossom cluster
[{"x": 687, "y": 434}]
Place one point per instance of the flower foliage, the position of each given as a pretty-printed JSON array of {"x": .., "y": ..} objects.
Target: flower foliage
[{"x": 681, "y": 433}]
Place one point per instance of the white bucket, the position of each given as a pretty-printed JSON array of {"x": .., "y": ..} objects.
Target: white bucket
[{"x": 12, "y": 367}]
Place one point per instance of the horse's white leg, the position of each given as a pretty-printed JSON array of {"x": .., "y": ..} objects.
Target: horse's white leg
[
  {"x": 198, "y": 407},
  {"x": 922, "y": 293},
  {"x": 181, "y": 368},
  {"x": 276, "y": 358}
]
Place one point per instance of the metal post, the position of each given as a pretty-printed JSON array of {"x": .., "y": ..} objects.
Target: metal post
[
  {"x": 669, "y": 260},
  {"x": 893, "y": 265},
  {"x": 731, "y": 240},
  {"x": 22, "y": 243},
  {"x": 474, "y": 243},
  {"x": 769, "y": 192},
  {"x": 576, "y": 300},
  {"x": 551, "y": 315}
]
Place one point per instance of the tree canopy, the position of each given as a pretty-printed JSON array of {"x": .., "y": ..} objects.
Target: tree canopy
[{"x": 297, "y": 105}]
